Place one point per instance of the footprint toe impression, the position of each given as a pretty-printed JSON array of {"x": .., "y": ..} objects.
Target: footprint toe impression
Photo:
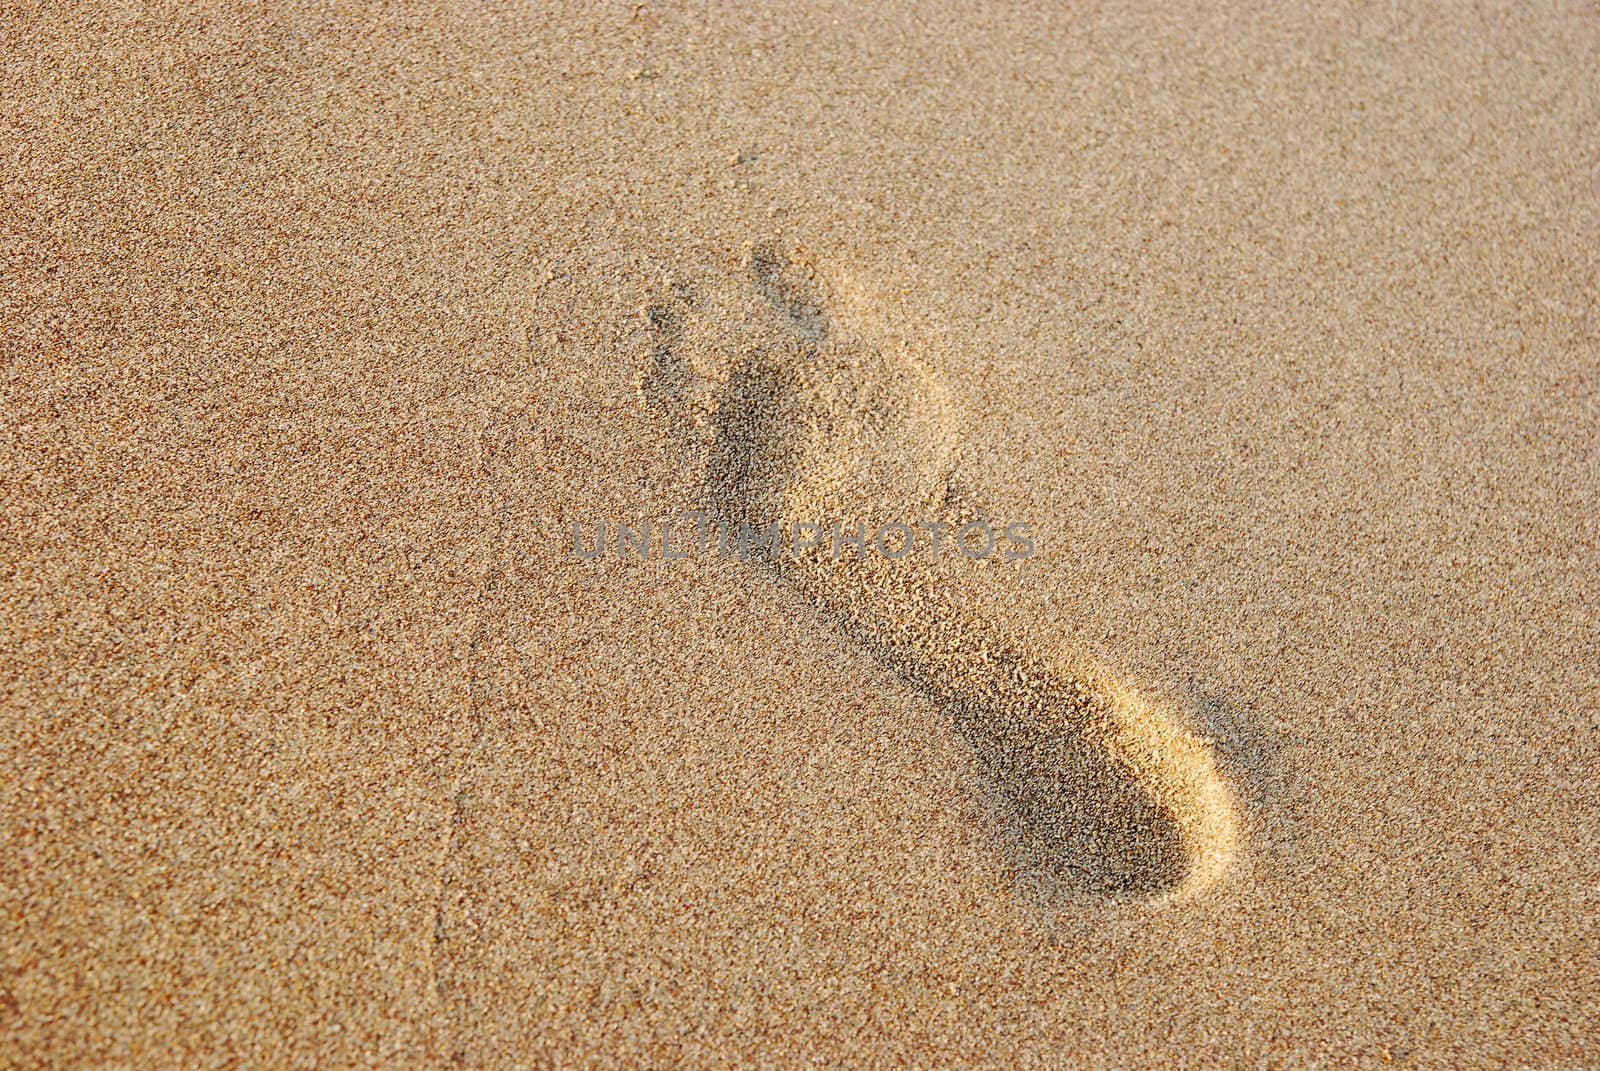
[{"x": 1101, "y": 792}]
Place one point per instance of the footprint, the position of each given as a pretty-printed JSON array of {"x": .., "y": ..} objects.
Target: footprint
[{"x": 1100, "y": 791}]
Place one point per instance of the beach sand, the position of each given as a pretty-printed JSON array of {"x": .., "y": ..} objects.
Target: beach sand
[{"x": 322, "y": 327}]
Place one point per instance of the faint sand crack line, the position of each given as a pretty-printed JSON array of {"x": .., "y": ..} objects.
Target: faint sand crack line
[{"x": 492, "y": 574}]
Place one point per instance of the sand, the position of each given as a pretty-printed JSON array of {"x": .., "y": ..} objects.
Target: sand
[{"x": 321, "y": 746}]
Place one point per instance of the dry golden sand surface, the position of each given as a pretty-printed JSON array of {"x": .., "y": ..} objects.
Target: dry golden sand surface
[{"x": 321, "y": 325}]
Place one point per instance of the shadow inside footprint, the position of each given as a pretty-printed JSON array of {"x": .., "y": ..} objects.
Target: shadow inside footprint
[
  {"x": 1074, "y": 820},
  {"x": 753, "y": 457}
]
